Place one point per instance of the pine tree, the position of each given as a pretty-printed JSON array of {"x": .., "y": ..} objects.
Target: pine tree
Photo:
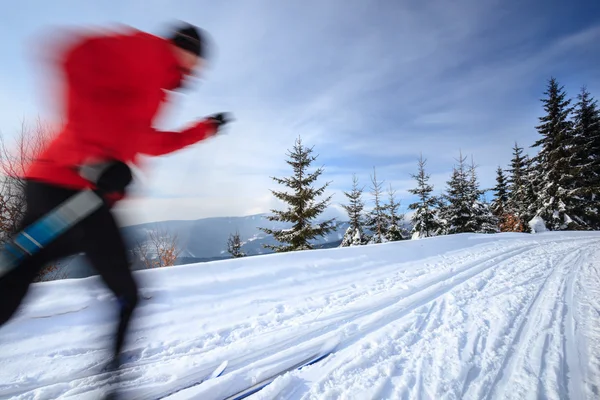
[
  {"x": 457, "y": 210},
  {"x": 354, "y": 235},
  {"x": 518, "y": 188},
  {"x": 393, "y": 228},
  {"x": 234, "y": 245},
  {"x": 586, "y": 146},
  {"x": 376, "y": 218},
  {"x": 425, "y": 222},
  {"x": 488, "y": 222},
  {"x": 499, "y": 206},
  {"x": 303, "y": 207},
  {"x": 555, "y": 176},
  {"x": 530, "y": 194},
  {"x": 484, "y": 221}
]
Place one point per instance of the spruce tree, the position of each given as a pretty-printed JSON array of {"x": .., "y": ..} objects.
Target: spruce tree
[
  {"x": 457, "y": 210},
  {"x": 234, "y": 245},
  {"x": 530, "y": 199},
  {"x": 376, "y": 218},
  {"x": 393, "y": 229},
  {"x": 518, "y": 187},
  {"x": 487, "y": 221},
  {"x": 303, "y": 206},
  {"x": 483, "y": 221},
  {"x": 354, "y": 235},
  {"x": 424, "y": 220},
  {"x": 499, "y": 206},
  {"x": 586, "y": 146},
  {"x": 555, "y": 176}
]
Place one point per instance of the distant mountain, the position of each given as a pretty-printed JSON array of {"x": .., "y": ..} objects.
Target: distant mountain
[{"x": 205, "y": 239}]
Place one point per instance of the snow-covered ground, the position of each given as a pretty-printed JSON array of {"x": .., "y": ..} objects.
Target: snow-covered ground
[{"x": 465, "y": 316}]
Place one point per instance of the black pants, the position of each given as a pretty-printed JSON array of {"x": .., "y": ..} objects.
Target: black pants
[{"x": 97, "y": 236}]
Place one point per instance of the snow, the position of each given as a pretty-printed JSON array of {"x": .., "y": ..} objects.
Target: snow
[
  {"x": 503, "y": 316},
  {"x": 537, "y": 224},
  {"x": 253, "y": 238}
]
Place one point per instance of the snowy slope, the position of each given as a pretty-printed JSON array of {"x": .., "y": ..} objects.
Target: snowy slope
[{"x": 465, "y": 316}]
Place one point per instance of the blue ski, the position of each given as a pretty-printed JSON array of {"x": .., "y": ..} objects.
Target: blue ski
[
  {"x": 265, "y": 382},
  {"x": 37, "y": 235},
  {"x": 215, "y": 374}
]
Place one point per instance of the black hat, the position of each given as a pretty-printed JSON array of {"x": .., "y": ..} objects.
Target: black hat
[{"x": 188, "y": 37}]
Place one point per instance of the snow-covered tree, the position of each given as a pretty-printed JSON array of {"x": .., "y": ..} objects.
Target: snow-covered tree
[
  {"x": 520, "y": 193},
  {"x": 499, "y": 205},
  {"x": 376, "y": 221},
  {"x": 393, "y": 229},
  {"x": 487, "y": 221},
  {"x": 425, "y": 221},
  {"x": 303, "y": 207},
  {"x": 354, "y": 235},
  {"x": 234, "y": 245},
  {"x": 555, "y": 174},
  {"x": 586, "y": 159},
  {"x": 484, "y": 220},
  {"x": 457, "y": 211},
  {"x": 531, "y": 196}
]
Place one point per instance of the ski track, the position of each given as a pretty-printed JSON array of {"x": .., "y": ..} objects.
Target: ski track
[
  {"x": 517, "y": 318},
  {"x": 533, "y": 340}
]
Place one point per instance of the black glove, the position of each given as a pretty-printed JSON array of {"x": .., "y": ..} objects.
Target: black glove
[
  {"x": 108, "y": 177},
  {"x": 220, "y": 119}
]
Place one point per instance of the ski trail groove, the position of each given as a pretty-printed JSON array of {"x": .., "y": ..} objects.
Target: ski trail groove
[
  {"x": 387, "y": 311},
  {"x": 433, "y": 289},
  {"x": 411, "y": 329},
  {"x": 555, "y": 275},
  {"x": 325, "y": 326},
  {"x": 524, "y": 334}
]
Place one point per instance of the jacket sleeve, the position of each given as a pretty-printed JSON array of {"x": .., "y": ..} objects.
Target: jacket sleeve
[{"x": 159, "y": 143}]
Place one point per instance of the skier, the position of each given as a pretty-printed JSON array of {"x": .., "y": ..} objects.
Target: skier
[{"x": 114, "y": 84}]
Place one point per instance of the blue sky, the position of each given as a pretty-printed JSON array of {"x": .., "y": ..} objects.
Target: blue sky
[{"x": 368, "y": 83}]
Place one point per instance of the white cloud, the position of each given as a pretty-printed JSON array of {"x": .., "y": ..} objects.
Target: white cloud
[
  {"x": 368, "y": 86},
  {"x": 340, "y": 99}
]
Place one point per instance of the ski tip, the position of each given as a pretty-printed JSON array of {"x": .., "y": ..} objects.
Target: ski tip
[
  {"x": 331, "y": 344},
  {"x": 219, "y": 370}
]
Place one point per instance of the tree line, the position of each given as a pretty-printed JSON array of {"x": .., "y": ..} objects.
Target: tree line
[{"x": 556, "y": 189}]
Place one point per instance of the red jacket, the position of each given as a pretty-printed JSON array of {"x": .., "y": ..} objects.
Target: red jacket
[{"x": 113, "y": 88}]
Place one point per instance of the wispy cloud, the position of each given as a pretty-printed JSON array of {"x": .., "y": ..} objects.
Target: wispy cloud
[{"x": 367, "y": 83}]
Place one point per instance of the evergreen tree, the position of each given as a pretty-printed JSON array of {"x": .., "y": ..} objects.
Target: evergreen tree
[
  {"x": 499, "y": 206},
  {"x": 457, "y": 210},
  {"x": 425, "y": 221},
  {"x": 393, "y": 228},
  {"x": 376, "y": 218},
  {"x": 530, "y": 194},
  {"x": 354, "y": 235},
  {"x": 234, "y": 245},
  {"x": 586, "y": 146},
  {"x": 518, "y": 188},
  {"x": 555, "y": 176},
  {"x": 484, "y": 221},
  {"x": 500, "y": 203},
  {"x": 488, "y": 222},
  {"x": 303, "y": 206}
]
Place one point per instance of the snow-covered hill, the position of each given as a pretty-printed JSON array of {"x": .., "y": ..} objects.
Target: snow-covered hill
[{"x": 465, "y": 316}]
